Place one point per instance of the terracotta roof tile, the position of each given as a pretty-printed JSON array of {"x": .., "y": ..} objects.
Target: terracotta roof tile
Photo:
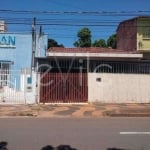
[{"x": 89, "y": 50}]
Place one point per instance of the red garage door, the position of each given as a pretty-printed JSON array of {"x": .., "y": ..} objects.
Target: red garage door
[{"x": 63, "y": 88}]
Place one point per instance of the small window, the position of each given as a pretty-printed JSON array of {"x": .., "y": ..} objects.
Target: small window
[
  {"x": 4, "y": 73},
  {"x": 29, "y": 80}
]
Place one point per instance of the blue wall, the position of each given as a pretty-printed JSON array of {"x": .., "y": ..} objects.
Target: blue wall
[{"x": 17, "y": 48}]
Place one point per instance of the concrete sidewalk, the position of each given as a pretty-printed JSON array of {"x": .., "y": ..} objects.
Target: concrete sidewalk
[{"x": 74, "y": 110}]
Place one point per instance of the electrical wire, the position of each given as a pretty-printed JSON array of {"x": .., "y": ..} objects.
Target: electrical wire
[{"x": 102, "y": 21}]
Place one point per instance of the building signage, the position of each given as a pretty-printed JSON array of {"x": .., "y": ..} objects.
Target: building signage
[{"x": 7, "y": 41}]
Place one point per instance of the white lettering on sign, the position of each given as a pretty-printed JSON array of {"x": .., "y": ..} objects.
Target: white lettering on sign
[{"x": 7, "y": 41}]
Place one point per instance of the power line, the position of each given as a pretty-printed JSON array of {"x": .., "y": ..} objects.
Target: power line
[
  {"x": 116, "y": 13},
  {"x": 61, "y": 20}
]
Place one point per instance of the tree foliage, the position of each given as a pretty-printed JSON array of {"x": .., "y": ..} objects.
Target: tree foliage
[
  {"x": 112, "y": 41},
  {"x": 99, "y": 43},
  {"x": 84, "y": 38},
  {"x": 53, "y": 43}
]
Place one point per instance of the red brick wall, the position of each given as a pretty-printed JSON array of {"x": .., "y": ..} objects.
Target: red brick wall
[{"x": 127, "y": 35}]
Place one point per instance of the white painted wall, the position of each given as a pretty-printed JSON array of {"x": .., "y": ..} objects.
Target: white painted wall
[
  {"x": 83, "y": 54},
  {"x": 29, "y": 90},
  {"x": 30, "y": 95},
  {"x": 119, "y": 88}
]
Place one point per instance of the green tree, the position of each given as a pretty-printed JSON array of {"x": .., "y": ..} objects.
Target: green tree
[
  {"x": 99, "y": 43},
  {"x": 112, "y": 41},
  {"x": 53, "y": 43},
  {"x": 84, "y": 40}
]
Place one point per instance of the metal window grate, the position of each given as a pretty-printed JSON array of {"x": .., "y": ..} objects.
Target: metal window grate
[{"x": 74, "y": 65}]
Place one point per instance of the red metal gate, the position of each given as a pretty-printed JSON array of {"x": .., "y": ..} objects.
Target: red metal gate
[{"x": 63, "y": 88}]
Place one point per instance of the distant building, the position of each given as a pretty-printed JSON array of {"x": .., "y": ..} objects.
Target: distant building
[
  {"x": 134, "y": 34},
  {"x": 3, "y": 26}
]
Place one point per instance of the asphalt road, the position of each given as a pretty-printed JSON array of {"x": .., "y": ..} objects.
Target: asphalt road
[{"x": 82, "y": 134}]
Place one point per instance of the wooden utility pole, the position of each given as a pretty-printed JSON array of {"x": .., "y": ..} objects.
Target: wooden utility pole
[
  {"x": 33, "y": 43},
  {"x": 39, "y": 42}
]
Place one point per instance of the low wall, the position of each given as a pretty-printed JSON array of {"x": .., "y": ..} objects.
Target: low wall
[{"x": 118, "y": 88}]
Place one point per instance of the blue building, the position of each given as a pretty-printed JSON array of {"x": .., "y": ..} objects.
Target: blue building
[
  {"x": 17, "y": 82},
  {"x": 16, "y": 50}
]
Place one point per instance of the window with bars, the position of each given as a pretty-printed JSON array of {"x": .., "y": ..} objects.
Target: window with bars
[
  {"x": 97, "y": 66},
  {"x": 4, "y": 73},
  {"x": 120, "y": 67}
]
